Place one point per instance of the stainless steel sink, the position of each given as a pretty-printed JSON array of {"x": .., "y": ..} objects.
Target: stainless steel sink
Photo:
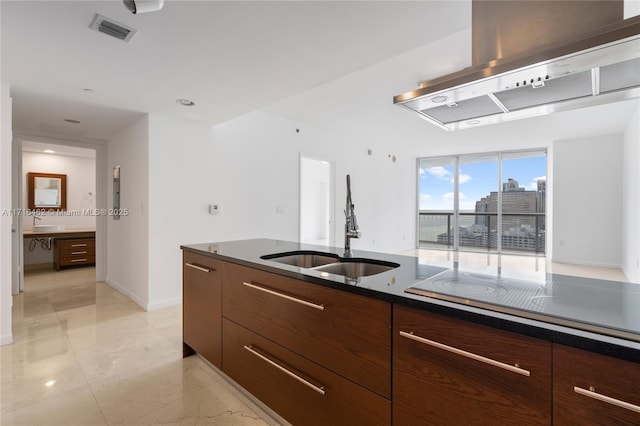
[
  {"x": 331, "y": 263},
  {"x": 354, "y": 268},
  {"x": 303, "y": 259}
]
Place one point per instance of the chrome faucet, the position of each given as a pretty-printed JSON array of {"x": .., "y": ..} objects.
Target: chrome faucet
[
  {"x": 34, "y": 220},
  {"x": 351, "y": 226}
]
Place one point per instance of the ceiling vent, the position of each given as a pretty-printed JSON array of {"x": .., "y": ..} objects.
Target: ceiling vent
[{"x": 114, "y": 29}]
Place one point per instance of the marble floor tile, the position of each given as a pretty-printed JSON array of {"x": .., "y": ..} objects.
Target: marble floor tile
[
  {"x": 85, "y": 354},
  {"x": 209, "y": 406},
  {"x": 77, "y": 407},
  {"x": 29, "y": 373}
]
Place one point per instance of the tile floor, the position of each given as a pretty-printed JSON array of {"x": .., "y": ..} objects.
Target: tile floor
[{"x": 84, "y": 354}]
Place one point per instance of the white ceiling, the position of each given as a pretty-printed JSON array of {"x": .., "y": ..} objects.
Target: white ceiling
[
  {"x": 229, "y": 57},
  {"x": 66, "y": 150}
]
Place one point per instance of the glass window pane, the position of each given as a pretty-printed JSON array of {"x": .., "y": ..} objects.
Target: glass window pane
[
  {"x": 522, "y": 193},
  {"x": 523, "y": 201},
  {"x": 478, "y": 195},
  {"x": 436, "y": 195}
]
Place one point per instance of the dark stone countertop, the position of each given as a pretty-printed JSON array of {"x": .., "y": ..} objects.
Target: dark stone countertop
[{"x": 596, "y": 315}]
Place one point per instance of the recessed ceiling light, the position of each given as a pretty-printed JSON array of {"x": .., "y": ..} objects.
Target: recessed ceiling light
[
  {"x": 69, "y": 120},
  {"x": 49, "y": 151},
  {"x": 472, "y": 122},
  {"x": 439, "y": 99},
  {"x": 185, "y": 102}
]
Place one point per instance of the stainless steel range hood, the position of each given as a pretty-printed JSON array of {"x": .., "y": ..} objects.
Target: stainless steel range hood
[{"x": 598, "y": 69}]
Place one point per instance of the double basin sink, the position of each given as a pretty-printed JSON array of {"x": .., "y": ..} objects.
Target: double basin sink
[{"x": 330, "y": 263}]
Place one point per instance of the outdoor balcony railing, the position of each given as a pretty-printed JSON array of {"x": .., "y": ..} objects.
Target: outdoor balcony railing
[{"x": 520, "y": 231}]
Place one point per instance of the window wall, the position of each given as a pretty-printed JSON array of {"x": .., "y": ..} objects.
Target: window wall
[{"x": 492, "y": 202}]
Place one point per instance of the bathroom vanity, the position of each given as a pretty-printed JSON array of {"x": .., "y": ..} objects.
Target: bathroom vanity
[
  {"x": 70, "y": 247},
  {"x": 321, "y": 344}
]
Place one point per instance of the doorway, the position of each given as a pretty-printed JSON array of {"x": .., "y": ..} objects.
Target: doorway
[
  {"x": 316, "y": 201},
  {"x": 83, "y": 165}
]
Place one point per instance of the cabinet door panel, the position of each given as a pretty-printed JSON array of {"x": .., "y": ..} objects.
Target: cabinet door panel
[
  {"x": 202, "y": 310},
  {"x": 346, "y": 333},
  {"x": 447, "y": 371},
  {"x": 593, "y": 389},
  {"x": 299, "y": 390}
]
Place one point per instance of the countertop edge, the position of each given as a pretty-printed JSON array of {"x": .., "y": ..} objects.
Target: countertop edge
[{"x": 581, "y": 339}]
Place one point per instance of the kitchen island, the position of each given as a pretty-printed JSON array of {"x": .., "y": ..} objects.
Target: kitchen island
[{"x": 369, "y": 352}]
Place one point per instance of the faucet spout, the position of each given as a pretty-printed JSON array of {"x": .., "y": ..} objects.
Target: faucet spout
[{"x": 351, "y": 229}]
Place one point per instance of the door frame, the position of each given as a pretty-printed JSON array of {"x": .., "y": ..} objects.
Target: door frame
[{"x": 17, "y": 264}]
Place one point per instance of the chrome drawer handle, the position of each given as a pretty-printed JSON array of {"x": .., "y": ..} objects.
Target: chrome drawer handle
[
  {"x": 514, "y": 369},
  {"x": 78, "y": 252},
  {"x": 78, "y": 245},
  {"x": 199, "y": 268},
  {"x": 285, "y": 296},
  {"x": 592, "y": 394},
  {"x": 78, "y": 260},
  {"x": 319, "y": 389}
]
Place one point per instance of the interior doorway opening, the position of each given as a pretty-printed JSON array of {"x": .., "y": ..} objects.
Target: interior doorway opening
[
  {"x": 316, "y": 201},
  {"x": 81, "y": 163}
]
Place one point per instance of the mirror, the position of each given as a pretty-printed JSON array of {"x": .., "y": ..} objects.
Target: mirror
[{"x": 47, "y": 191}]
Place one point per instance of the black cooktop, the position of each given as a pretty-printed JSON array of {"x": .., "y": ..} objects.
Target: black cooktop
[{"x": 610, "y": 308}]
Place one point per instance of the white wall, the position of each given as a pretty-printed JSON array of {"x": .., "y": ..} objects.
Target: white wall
[
  {"x": 587, "y": 201},
  {"x": 5, "y": 219},
  {"x": 184, "y": 178},
  {"x": 128, "y": 238},
  {"x": 81, "y": 187},
  {"x": 631, "y": 199},
  {"x": 250, "y": 168}
]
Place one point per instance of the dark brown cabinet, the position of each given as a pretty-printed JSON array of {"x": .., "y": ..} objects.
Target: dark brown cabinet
[
  {"x": 73, "y": 252},
  {"x": 452, "y": 372},
  {"x": 594, "y": 389},
  {"x": 202, "y": 307},
  {"x": 320, "y": 356},
  {"x": 344, "y": 332},
  {"x": 300, "y": 390}
]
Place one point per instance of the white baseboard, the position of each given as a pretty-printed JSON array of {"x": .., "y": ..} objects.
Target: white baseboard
[
  {"x": 144, "y": 305},
  {"x": 582, "y": 263},
  {"x": 164, "y": 304},
  {"x": 127, "y": 293}
]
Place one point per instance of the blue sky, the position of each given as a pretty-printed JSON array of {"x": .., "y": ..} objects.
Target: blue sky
[{"x": 476, "y": 180}]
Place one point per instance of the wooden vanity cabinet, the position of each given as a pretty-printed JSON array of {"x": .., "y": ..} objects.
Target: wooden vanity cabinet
[
  {"x": 594, "y": 389},
  {"x": 301, "y": 391},
  {"x": 452, "y": 372},
  {"x": 202, "y": 307},
  {"x": 73, "y": 252},
  {"x": 345, "y": 333}
]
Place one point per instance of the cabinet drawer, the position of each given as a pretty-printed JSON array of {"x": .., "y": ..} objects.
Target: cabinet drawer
[
  {"x": 76, "y": 244},
  {"x": 83, "y": 259},
  {"x": 594, "y": 389},
  {"x": 299, "y": 390},
  {"x": 346, "y": 333},
  {"x": 202, "y": 311},
  {"x": 447, "y": 371},
  {"x": 81, "y": 251}
]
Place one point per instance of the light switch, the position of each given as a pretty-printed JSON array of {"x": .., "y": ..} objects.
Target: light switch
[{"x": 214, "y": 209}]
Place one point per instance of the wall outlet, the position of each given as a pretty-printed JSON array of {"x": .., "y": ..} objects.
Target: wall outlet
[{"x": 214, "y": 209}]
